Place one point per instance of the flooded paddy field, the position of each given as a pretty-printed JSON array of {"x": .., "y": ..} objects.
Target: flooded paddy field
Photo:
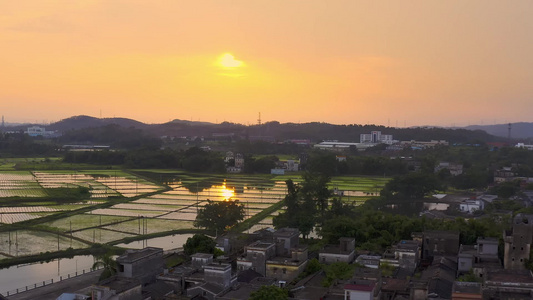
[{"x": 132, "y": 204}]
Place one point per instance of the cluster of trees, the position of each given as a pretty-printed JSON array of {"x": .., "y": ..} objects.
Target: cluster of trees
[
  {"x": 478, "y": 163},
  {"x": 259, "y": 165},
  {"x": 113, "y": 135},
  {"x": 21, "y": 145},
  {"x": 200, "y": 243},
  {"x": 411, "y": 186},
  {"x": 355, "y": 164},
  {"x": 306, "y": 203},
  {"x": 316, "y": 131},
  {"x": 193, "y": 159},
  {"x": 375, "y": 230},
  {"x": 267, "y": 148},
  {"x": 220, "y": 215}
]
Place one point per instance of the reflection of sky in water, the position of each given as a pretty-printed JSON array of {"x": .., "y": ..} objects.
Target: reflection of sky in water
[
  {"x": 165, "y": 242},
  {"x": 21, "y": 276}
]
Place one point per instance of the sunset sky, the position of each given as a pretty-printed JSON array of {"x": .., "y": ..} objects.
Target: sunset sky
[{"x": 344, "y": 62}]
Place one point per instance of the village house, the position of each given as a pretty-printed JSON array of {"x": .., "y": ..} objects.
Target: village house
[
  {"x": 454, "y": 168},
  {"x": 343, "y": 252},
  {"x": 440, "y": 243}
]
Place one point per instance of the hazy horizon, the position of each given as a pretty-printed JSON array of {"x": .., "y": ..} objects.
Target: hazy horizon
[
  {"x": 46, "y": 122},
  {"x": 398, "y": 64}
]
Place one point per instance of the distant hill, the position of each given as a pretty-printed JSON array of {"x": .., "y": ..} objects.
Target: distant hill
[
  {"x": 522, "y": 130},
  {"x": 192, "y": 123},
  {"x": 314, "y": 131},
  {"x": 79, "y": 122}
]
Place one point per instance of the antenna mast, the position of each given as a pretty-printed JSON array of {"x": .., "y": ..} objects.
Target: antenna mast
[{"x": 259, "y": 119}]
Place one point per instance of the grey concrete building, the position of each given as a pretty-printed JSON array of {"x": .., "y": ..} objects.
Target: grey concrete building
[
  {"x": 440, "y": 243},
  {"x": 118, "y": 288},
  {"x": 144, "y": 264},
  {"x": 256, "y": 256},
  {"x": 343, "y": 252}
]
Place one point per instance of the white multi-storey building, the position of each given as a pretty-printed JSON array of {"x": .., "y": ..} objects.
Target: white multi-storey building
[{"x": 376, "y": 137}]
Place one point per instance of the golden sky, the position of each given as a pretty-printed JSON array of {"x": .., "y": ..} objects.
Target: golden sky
[{"x": 365, "y": 62}]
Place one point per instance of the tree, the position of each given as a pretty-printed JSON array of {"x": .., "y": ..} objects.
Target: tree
[
  {"x": 108, "y": 263},
  {"x": 220, "y": 216},
  {"x": 303, "y": 202},
  {"x": 315, "y": 190},
  {"x": 411, "y": 186},
  {"x": 269, "y": 292},
  {"x": 337, "y": 271},
  {"x": 199, "y": 243}
]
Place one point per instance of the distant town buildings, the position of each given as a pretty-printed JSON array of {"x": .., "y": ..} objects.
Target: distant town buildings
[
  {"x": 40, "y": 131},
  {"x": 375, "y": 137},
  {"x": 522, "y": 145}
]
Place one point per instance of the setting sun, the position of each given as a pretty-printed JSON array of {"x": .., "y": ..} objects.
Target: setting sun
[{"x": 228, "y": 61}]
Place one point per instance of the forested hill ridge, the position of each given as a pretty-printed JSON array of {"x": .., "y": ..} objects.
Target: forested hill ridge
[
  {"x": 521, "y": 130},
  {"x": 314, "y": 131},
  {"x": 81, "y": 122}
]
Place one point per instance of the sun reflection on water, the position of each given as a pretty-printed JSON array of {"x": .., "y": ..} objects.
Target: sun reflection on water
[{"x": 225, "y": 192}]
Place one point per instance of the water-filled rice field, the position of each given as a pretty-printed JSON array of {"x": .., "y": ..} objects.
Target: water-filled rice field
[
  {"x": 27, "y": 242},
  {"x": 161, "y": 210}
]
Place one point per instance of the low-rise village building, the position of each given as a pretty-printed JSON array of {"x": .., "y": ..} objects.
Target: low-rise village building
[
  {"x": 508, "y": 284},
  {"x": 440, "y": 243},
  {"x": 505, "y": 174},
  {"x": 136, "y": 269},
  {"x": 454, "y": 168},
  {"x": 478, "y": 258},
  {"x": 281, "y": 258},
  {"x": 369, "y": 261},
  {"x": 343, "y": 252},
  {"x": 405, "y": 255},
  {"x": 471, "y": 205},
  {"x": 144, "y": 264},
  {"x": 466, "y": 290}
]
